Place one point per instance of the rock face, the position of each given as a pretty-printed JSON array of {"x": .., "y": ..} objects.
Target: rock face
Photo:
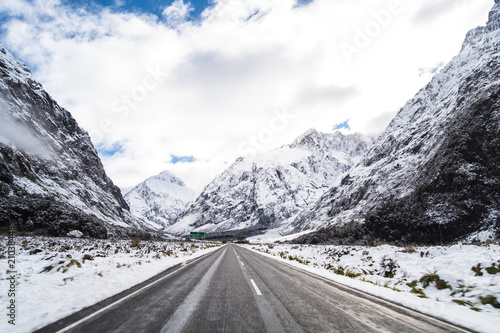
[
  {"x": 267, "y": 191},
  {"x": 160, "y": 199},
  {"x": 433, "y": 176},
  {"x": 51, "y": 178}
]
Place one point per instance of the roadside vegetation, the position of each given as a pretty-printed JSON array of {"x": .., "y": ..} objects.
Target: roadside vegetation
[{"x": 465, "y": 275}]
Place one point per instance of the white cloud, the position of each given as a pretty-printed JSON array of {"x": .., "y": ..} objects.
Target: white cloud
[
  {"x": 209, "y": 88},
  {"x": 177, "y": 13}
]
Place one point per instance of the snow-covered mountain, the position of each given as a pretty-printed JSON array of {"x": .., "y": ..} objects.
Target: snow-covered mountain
[
  {"x": 160, "y": 199},
  {"x": 268, "y": 190},
  {"x": 434, "y": 175},
  {"x": 51, "y": 178}
]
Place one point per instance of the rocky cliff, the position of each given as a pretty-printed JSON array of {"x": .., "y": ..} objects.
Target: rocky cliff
[
  {"x": 51, "y": 178},
  {"x": 433, "y": 176}
]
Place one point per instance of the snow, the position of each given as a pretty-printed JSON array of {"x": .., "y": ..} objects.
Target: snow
[
  {"x": 270, "y": 189},
  {"x": 184, "y": 225},
  {"x": 276, "y": 235},
  {"x": 16, "y": 70},
  {"x": 167, "y": 183},
  {"x": 75, "y": 233},
  {"x": 159, "y": 199},
  {"x": 273, "y": 158},
  {"x": 58, "y": 158},
  {"x": 44, "y": 296},
  {"x": 453, "y": 265},
  {"x": 393, "y": 166}
]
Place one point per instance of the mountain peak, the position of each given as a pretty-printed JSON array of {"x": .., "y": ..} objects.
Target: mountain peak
[
  {"x": 475, "y": 36},
  {"x": 431, "y": 175},
  {"x": 315, "y": 141},
  {"x": 268, "y": 190},
  {"x": 160, "y": 199},
  {"x": 494, "y": 17},
  {"x": 169, "y": 177},
  {"x": 50, "y": 169},
  {"x": 14, "y": 70}
]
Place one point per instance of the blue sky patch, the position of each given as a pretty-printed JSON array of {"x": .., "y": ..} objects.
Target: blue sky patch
[
  {"x": 344, "y": 125},
  {"x": 109, "y": 151},
  {"x": 303, "y": 2},
  {"x": 155, "y": 7},
  {"x": 181, "y": 159}
]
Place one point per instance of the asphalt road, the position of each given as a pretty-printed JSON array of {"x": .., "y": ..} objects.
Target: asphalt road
[{"x": 236, "y": 290}]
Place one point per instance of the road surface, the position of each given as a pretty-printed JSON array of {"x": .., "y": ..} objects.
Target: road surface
[{"x": 237, "y": 290}]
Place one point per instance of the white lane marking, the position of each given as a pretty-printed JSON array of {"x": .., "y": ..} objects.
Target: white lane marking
[
  {"x": 67, "y": 328},
  {"x": 242, "y": 264},
  {"x": 257, "y": 290},
  {"x": 183, "y": 313}
]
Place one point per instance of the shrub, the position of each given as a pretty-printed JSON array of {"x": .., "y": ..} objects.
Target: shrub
[
  {"x": 389, "y": 267},
  {"x": 467, "y": 303},
  {"x": 477, "y": 270},
  {"x": 135, "y": 241},
  {"x": 35, "y": 251},
  {"x": 412, "y": 284},
  {"x": 419, "y": 292},
  {"x": 68, "y": 279},
  {"x": 462, "y": 289},
  {"x": 415, "y": 290},
  {"x": 339, "y": 270},
  {"x": 426, "y": 280},
  {"x": 87, "y": 257},
  {"x": 409, "y": 249},
  {"x": 491, "y": 300},
  {"x": 424, "y": 254},
  {"x": 63, "y": 268},
  {"x": 351, "y": 273},
  {"x": 74, "y": 262},
  {"x": 493, "y": 270},
  {"x": 47, "y": 268}
]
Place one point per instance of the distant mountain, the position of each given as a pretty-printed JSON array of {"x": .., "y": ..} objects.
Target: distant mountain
[
  {"x": 51, "y": 178},
  {"x": 160, "y": 199},
  {"x": 268, "y": 190},
  {"x": 433, "y": 176}
]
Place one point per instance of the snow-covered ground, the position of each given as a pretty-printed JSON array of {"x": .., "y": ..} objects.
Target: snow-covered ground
[
  {"x": 59, "y": 276},
  {"x": 443, "y": 281}
]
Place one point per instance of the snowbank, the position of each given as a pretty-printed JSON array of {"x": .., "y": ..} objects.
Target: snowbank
[
  {"x": 59, "y": 276},
  {"x": 442, "y": 281}
]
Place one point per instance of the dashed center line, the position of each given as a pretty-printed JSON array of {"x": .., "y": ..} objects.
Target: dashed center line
[{"x": 257, "y": 290}]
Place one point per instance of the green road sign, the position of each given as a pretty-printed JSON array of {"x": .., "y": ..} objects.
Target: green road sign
[{"x": 197, "y": 235}]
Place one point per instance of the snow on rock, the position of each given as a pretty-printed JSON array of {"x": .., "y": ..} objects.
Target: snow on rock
[
  {"x": 266, "y": 191},
  {"x": 160, "y": 199},
  {"x": 433, "y": 175},
  {"x": 75, "y": 233},
  {"x": 459, "y": 283}
]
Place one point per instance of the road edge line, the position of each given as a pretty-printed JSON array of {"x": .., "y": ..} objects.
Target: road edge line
[
  {"x": 179, "y": 266},
  {"x": 363, "y": 293}
]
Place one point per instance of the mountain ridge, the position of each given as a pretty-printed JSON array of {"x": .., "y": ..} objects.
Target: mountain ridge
[
  {"x": 160, "y": 199},
  {"x": 432, "y": 176},
  {"x": 51, "y": 178},
  {"x": 263, "y": 191}
]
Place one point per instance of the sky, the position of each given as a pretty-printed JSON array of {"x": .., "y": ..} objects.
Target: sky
[{"x": 189, "y": 86}]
